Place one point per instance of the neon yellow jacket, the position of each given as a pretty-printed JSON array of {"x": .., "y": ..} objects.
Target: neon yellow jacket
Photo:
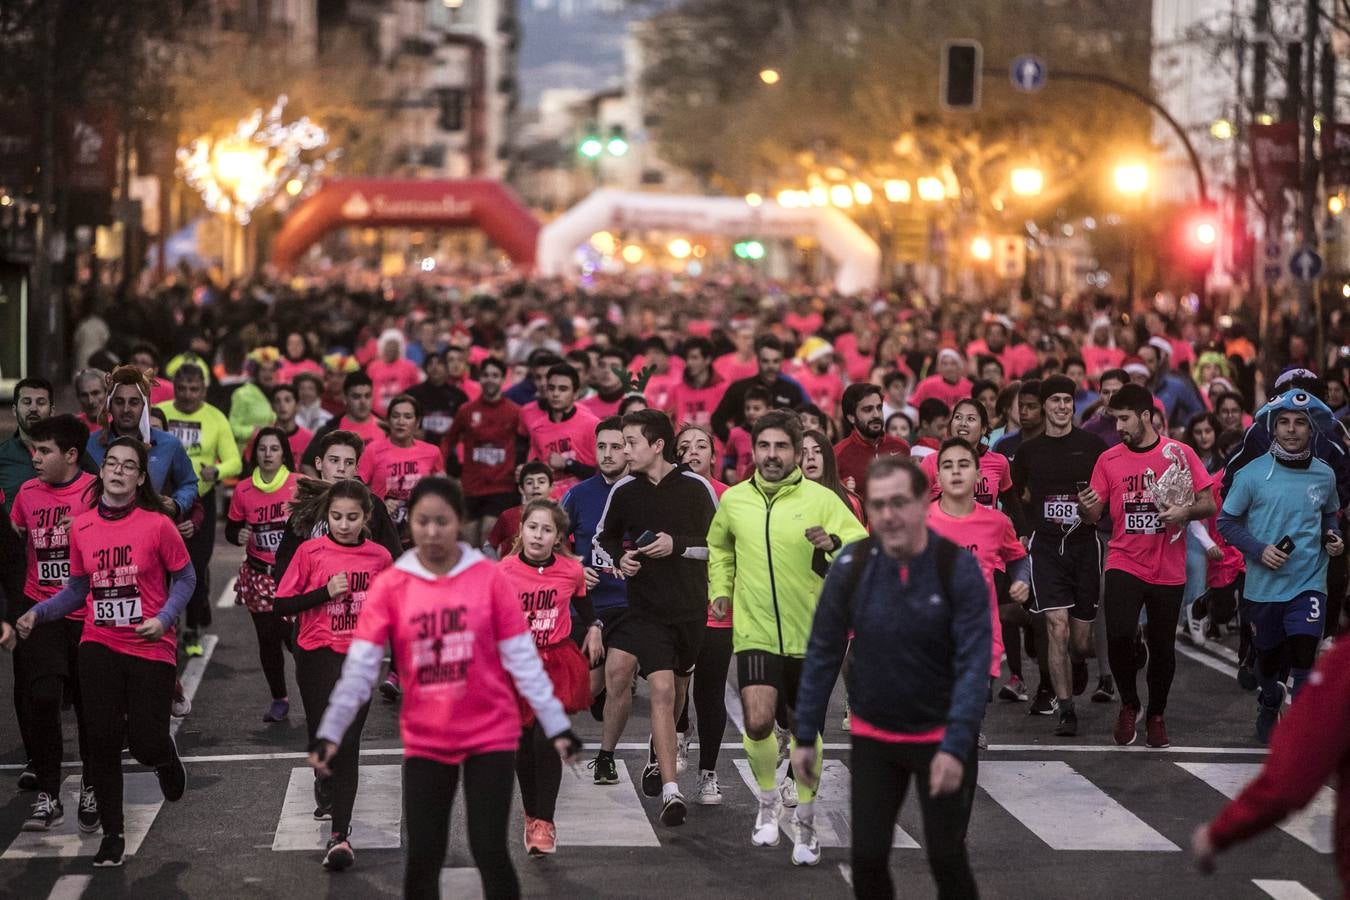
[
  {"x": 206, "y": 436},
  {"x": 758, "y": 555}
]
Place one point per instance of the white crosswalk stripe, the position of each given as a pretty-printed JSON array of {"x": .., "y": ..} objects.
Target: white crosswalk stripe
[
  {"x": 1284, "y": 890},
  {"x": 607, "y": 815},
  {"x": 376, "y": 817},
  {"x": 832, "y": 820},
  {"x": 1311, "y": 825},
  {"x": 141, "y": 802}
]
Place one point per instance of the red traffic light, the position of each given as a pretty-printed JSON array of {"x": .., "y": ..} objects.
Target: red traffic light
[{"x": 1198, "y": 233}]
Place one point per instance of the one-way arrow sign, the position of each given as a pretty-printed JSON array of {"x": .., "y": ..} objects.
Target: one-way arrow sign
[
  {"x": 1027, "y": 73},
  {"x": 1305, "y": 264}
]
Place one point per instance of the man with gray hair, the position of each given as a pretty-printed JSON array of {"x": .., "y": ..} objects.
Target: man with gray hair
[{"x": 91, "y": 390}]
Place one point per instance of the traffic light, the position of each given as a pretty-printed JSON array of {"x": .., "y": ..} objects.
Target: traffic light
[
  {"x": 617, "y": 145},
  {"x": 751, "y": 250},
  {"x": 1198, "y": 236},
  {"x": 591, "y": 147},
  {"x": 959, "y": 81}
]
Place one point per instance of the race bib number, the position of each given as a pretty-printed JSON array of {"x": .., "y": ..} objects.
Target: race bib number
[
  {"x": 117, "y": 606},
  {"x": 436, "y": 424},
  {"x": 267, "y": 538},
  {"x": 53, "y": 572},
  {"x": 189, "y": 434},
  {"x": 487, "y": 455},
  {"x": 1061, "y": 509},
  {"x": 1141, "y": 517}
]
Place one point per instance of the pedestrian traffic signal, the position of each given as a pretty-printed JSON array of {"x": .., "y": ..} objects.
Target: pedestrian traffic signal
[
  {"x": 752, "y": 250},
  {"x": 591, "y": 147},
  {"x": 959, "y": 79}
]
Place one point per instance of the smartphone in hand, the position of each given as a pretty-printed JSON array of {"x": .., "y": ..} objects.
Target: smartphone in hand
[
  {"x": 1286, "y": 545},
  {"x": 644, "y": 539}
]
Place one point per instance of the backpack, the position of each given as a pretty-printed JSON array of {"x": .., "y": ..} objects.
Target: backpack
[{"x": 946, "y": 558}]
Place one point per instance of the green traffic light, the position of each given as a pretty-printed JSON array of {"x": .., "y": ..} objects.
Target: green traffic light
[
  {"x": 591, "y": 148},
  {"x": 617, "y": 146},
  {"x": 754, "y": 250}
]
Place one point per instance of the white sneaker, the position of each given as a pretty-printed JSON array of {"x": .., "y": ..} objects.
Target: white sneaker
[
  {"x": 805, "y": 847},
  {"x": 766, "y": 824},
  {"x": 1195, "y": 629},
  {"x": 182, "y": 706},
  {"x": 681, "y": 753},
  {"x": 709, "y": 793},
  {"x": 787, "y": 793}
]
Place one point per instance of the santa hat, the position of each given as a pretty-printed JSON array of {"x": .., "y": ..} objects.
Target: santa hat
[
  {"x": 1162, "y": 345},
  {"x": 813, "y": 348}
]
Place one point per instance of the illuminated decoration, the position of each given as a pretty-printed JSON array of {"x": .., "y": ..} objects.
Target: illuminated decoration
[
  {"x": 617, "y": 146},
  {"x": 862, "y": 192},
  {"x": 791, "y": 200},
  {"x": 604, "y": 243},
  {"x": 1026, "y": 181},
  {"x": 1131, "y": 178},
  {"x": 753, "y": 199},
  {"x": 251, "y": 166},
  {"x": 632, "y": 254},
  {"x": 897, "y": 190},
  {"x": 841, "y": 196},
  {"x": 752, "y": 250},
  {"x": 679, "y": 248},
  {"x": 931, "y": 190},
  {"x": 981, "y": 249},
  {"x": 1336, "y": 204},
  {"x": 591, "y": 147},
  {"x": 769, "y": 76},
  {"x": 819, "y": 196},
  {"x": 1222, "y": 130}
]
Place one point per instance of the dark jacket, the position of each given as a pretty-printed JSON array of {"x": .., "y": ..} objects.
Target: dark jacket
[
  {"x": 920, "y": 658},
  {"x": 785, "y": 394}
]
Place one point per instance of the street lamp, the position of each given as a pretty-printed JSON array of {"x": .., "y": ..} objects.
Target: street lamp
[
  {"x": 897, "y": 190},
  {"x": 770, "y": 76},
  {"x": 931, "y": 190},
  {"x": 1027, "y": 181},
  {"x": 862, "y": 192},
  {"x": 1131, "y": 178},
  {"x": 981, "y": 249}
]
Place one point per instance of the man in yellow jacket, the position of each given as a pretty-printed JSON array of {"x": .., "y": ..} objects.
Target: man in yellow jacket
[{"x": 769, "y": 547}]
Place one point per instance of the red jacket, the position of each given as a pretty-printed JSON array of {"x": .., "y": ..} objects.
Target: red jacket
[
  {"x": 1309, "y": 745},
  {"x": 853, "y": 455}
]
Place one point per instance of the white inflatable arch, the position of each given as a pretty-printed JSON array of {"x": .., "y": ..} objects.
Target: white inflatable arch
[{"x": 856, "y": 256}]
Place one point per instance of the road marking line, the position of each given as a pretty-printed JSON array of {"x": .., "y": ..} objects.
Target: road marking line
[
  {"x": 141, "y": 800},
  {"x": 227, "y": 596},
  {"x": 832, "y": 807},
  {"x": 1284, "y": 890},
  {"x": 70, "y": 887},
  {"x": 462, "y": 884},
  {"x": 1206, "y": 659},
  {"x": 732, "y": 699},
  {"x": 846, "y": 872},
  {"x": 1064, "y": 809},
  {"x": 1113, "y": 748},
  {"x": 1311, "y": 825},
  {"x": 606, "y": 815},
  {"x": 192, "y": 675},
  {"x": 376, "y": 817}
]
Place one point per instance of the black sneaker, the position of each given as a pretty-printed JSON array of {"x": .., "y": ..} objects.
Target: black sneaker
[
  {"x": 673, "y": 809},
  {"x": 88, "y": 812},
  {"x": 28, "y": 778},
  {"x": 323, "y": 798},
  {"x": 172, "y": 776},
  {"x": 605, "y": 770},
  {"x": 1106, "y": 690},
  {"x": 1014, "y": 691},
  {"x": 1080, "y": 677},
  {"x": 1044, "y": 704},
  {"x": 110, "y": 851},
  {"x": 651, "y": 780},
  {"x": 389, "y": 688},
  {"x": 1068, "y": 722},
  {"x": 47, "y": 813},
  {"x": 338, "y": 855},
  {"x": 1267, "y": 717}
]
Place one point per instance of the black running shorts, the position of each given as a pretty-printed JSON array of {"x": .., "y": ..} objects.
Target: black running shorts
[
  {"x": 658, "y": 646},
  {"x": 1066, "y": 575}
]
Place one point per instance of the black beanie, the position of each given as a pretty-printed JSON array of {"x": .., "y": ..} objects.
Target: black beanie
[{"x": 1057, "y": 384}]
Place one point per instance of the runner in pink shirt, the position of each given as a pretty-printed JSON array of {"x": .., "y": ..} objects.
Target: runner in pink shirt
[
  {"x": 738, "y": 458},
  {"x": 393, "y": 466},
  {"x": 565, "y": 439},
  {"x": 699, "y": 389},
  {"x": 969, "y": 422},
  {"x": 391, "y": 374},
  {"x": 457, "y": 629},
  {"x": 326, "y": 584},
  {"x": 948, "y": 385},
  {"x": 130, "y": 570},
  {"x": 818, "y": 376}
]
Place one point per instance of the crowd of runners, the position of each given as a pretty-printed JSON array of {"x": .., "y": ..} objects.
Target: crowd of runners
[{"x": 502, "y": 509}]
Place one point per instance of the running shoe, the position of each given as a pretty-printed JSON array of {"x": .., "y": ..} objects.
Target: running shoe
[
  {"x": 541, "y": 838},
  {"x": 1015, "y": 691},
  {"x": 182, "y": 706},
  {"x": 390, "y": 690},
  {"x": 681, "y": 753},
  {"x": 673, "y": 810},
  {"x": 1127, "y": 725},
  {"x": 1045, "y": 703},
  {"x": 1267, "y": 717},
  {"x": 88, "y": 811},
  {"x": 28, "y": 778},
  {"x": 1193, "y": 628},
  {"x": 338, "y": 855},
  {"x": 1080, "y": 676},
  {"x": 1068, "y": 722},
  {"x": 605, "y": 770},
  {"x": 651, "y": 780},
  {"x": 847, "y": 724},
  {"x": 765, "y": 833},
  {"x": 192, "y": 645},
  {"x": 110, "y": 851},
  {"x": 981, "y": 742},
  {"x": 805, "y": 846},
  {"x": 1246, "y": 673},
  {"x": 1106, "y": 690},
  {"x": 709, "y": 792},
  {"x": 172, "y": 775},
  {"x": 787, "y": 792},
  {"x": 1155, "y": 733},
  {"x": 323, "y": 798},
  {"x": 277, "y": 711},
  {"x": 47, "y": 813}
]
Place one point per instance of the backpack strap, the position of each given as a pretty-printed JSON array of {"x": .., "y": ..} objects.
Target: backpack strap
[
  {"x": 946, "y": 563},
  {"x": 862, "y": 551}
]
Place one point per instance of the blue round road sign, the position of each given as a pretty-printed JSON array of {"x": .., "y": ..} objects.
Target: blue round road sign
[
  {"x": 1305, "y": 264},
  {"x": 1027, "y": 73}
]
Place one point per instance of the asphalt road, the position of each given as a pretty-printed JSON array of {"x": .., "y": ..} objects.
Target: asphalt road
[{"x": 1053, "y": 818}]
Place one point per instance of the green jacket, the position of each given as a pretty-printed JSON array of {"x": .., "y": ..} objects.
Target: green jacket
[
  {"x": 249, "y": 410},
  {"x": 758, "y": 555}
]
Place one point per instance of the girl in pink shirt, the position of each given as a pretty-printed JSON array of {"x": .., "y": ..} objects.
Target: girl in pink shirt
[
  {"x": 970, "y": 423},
  {"x": 257, "y": 522},
  {"x": 548, "y": 583},
  {"x": 326, "y": 584},
  {"x": 458, "y": 633},
  {"x": 391, "y": 467}
]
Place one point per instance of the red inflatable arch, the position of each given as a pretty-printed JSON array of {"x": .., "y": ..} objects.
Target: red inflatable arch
[{"x": 383, "y": 202}]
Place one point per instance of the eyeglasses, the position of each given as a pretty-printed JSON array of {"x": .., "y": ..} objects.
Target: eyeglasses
[
  {"x": 896, "y": 504},
  {"x": 131, "y": 467}
]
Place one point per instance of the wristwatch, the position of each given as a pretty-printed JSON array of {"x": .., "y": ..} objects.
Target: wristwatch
[{"x": 599, "y": 623}]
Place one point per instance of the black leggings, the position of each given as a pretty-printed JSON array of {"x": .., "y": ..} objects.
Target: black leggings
[
  {"x": 124, "y": 696},
  {"x": 274, "y": 636},
  {"x": 429, "y": 795},
  {"x": 316, "y": 671},
  {"x": 881, "y": 776},
  {"x": 1126, "y": 595},
  {"x": 49, "y": 662},
  {"x": 708, "y": 693},
  {"x": 539, "y": 771},
  {"x": 200, "y": 547},
  {"x": 1338, "y": 572}
]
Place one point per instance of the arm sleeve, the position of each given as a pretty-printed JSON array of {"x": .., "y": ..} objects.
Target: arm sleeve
[
  {"x": 727, "y": 410},
  {"x": 1019, "y": 570},
  {"x": 579, "y": 470},
  {"x": 721, "y": 545},
  {"x": 70, "y": 598},
  {"x": 294, "y": 604},
  {"x": 233, "y": 526},
  {"x": 841, "y": 522},
  {"x": 585, "y": 608},
  {"x": 972, "y": 635},
  {"x": 359, "y": 673},
  {"x": 1232, "y": 524},
  {"x": 825, "y": 648},
  {"x": 182, "y": 583},
  {"x": 704, "y": 500},
  {"x": 1198, "y": 531}
]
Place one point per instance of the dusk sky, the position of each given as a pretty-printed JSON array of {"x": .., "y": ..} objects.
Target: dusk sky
[{"x": 570, "y": 43}]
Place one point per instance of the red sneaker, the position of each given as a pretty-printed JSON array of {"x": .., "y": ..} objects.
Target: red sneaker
[
  {"x": 1156, "y": 733},
  {"x": 543, "y": 837},
  {"x": 1126, "y": 724},
  {"x": 529, "y": 832}
]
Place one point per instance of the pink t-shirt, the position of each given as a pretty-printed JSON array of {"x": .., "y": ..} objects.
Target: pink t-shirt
[
  {"x": 1225, "y": 570},
  {"x": 531, "y": 414},
  {"x": 694, "y": 406},
  {"x": 935, "y": 386},
  {"x": 287, "y": 370},
  {"x": 740, "y": 452},
  {"x": 128, "y": 562},
  {"x": 1098, "y": 359},
  {"x": 545, "y": 595},
  {"x": 458, "y": 700},
  {"x": 995, "y": 477},
  {"x": 572, "y": 438},
  {"x": 391, "y": 379},
  {"x": 391, "y": 471},
  {"x": 824, "y": 391},
  {"x": 331, "y": 623},
  {"x": 40, "y": 508},
  {"x": 368, "y": 431},
  {"x": 1140, "y": 544},
  {"x": 857, "y": 364},
  {"x": 729, "y": 368},
  {"x": 265, "y": 514},
  {"x": 600, "y": 407}
]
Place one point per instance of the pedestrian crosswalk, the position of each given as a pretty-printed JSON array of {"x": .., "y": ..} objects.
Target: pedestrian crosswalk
[{"x": 1056, "y": 803}]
